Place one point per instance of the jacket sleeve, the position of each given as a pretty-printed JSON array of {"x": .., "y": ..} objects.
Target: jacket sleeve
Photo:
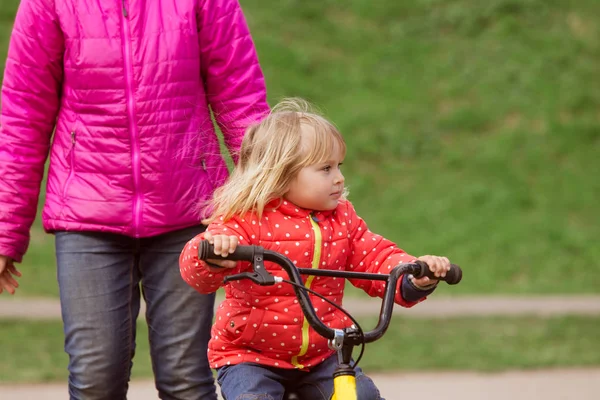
[
  {"x": 30, "y": 101},
  {"x": 197, "y": 273},
  {"x": 232, "y": 76},
  {"x": 375, "y": 254}
]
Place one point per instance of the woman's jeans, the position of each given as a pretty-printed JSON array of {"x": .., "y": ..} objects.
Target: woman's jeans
[
  {"x": 99, "y": 276},
  {"x": 249, "y": 381}
]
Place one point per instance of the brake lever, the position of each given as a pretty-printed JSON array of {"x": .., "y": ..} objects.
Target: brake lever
[
  {"x": 260, "y": 274},
  {"x": 253, "y": 276}
]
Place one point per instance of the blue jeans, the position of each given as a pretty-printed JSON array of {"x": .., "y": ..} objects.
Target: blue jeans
[
  {"x": 99, "y": 276},
  {"x": 249, "y": 381}
]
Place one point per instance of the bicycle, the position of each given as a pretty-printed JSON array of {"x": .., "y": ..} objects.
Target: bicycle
[{"x": 343, "y": 341}]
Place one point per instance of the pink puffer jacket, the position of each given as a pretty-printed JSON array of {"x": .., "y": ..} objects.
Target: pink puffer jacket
[{"x": 127, "y": 85}]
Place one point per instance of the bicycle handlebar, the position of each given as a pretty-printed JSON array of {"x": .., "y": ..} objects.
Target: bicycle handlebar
[
  {"x": 453, "y": 276},
  {"x": 257, "y": 255}
]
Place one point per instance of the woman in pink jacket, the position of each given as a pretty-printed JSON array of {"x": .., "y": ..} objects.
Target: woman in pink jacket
[{"x": 119, "y": 93}]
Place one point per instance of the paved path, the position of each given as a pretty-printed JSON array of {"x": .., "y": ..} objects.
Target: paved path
[
  {"x": 32, "y": 308},
  {"x": 572, "y": 384}
]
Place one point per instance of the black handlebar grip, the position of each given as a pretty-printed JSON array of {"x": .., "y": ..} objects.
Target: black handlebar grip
[
  {"x": 453, "y": 276},
  {"x": 241, "y": 253}
]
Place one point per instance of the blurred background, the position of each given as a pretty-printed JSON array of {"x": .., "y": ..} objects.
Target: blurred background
[{"x": 473, "y": 131}]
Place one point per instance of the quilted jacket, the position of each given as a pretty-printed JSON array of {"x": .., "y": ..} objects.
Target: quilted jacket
[
  {"x": 264, "y": 324},
  {"x": 126, "y": 87}
]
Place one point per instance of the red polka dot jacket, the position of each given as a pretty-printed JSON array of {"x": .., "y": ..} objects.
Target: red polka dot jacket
[{"x": 264, "y": 324}]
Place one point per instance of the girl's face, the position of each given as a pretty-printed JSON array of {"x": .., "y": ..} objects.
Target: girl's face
[{"x": 319, "y": 186}]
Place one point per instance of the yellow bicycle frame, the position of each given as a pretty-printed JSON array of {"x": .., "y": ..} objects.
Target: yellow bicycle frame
[{"x": 344, "y": 387}]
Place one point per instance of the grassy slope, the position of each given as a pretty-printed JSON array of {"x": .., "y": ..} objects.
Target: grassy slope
[{"x": 473, "y": 128}]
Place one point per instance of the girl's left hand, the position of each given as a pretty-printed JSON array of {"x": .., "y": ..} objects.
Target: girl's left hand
[{"x": 438, "y": 265}]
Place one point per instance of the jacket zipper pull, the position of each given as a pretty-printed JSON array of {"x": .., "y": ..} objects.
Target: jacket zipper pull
[
  {"x": 73, "y": 138},
  {"x": 125, "y": 13}
]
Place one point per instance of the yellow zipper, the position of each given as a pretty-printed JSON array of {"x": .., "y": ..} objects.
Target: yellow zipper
[{"x": 315, "y": 265}]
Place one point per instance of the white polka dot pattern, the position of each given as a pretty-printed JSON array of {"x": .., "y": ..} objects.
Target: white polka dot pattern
[{"x": 264, "y": 324}]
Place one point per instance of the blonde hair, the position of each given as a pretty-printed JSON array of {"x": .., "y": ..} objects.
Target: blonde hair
[{"x": 271, "y": 155}]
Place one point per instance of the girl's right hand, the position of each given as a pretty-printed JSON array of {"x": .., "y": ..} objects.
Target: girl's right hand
[{"x": 223, "y": 245}]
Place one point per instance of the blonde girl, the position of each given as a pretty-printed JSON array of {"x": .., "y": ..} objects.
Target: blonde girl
[{"x": 288, "y": 194}]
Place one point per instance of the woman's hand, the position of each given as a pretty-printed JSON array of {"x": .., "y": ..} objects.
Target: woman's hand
[
  {"x": 223, "y": 245},
  {"x": 438, "y": 265},
  {"x": 7, "y": 274}
]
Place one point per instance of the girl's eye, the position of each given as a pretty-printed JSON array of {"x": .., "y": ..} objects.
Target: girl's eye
[{"x": 327, "y": 168}]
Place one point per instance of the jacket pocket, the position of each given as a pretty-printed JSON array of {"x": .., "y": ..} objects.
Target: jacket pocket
[
  {"x": 71, "y": 162},
  {"x": 241, "y": 327}
]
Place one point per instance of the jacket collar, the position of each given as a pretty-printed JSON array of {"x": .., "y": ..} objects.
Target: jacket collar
[{"x": 291, "y": 210}]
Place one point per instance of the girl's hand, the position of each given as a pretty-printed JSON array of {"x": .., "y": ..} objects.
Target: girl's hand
[
  {"x": 438, "y": 265},
  {"x": 224, "y": 245}
]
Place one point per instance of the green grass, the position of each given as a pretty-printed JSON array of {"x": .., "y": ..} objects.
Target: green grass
[
  {"x": 485, "y": 344},
  {"x": 32, "y": 351},
  {"x": 472, "y": 126}
]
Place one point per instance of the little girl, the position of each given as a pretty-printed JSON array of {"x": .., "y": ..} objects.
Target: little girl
[{"x": 287, "y": 194}]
